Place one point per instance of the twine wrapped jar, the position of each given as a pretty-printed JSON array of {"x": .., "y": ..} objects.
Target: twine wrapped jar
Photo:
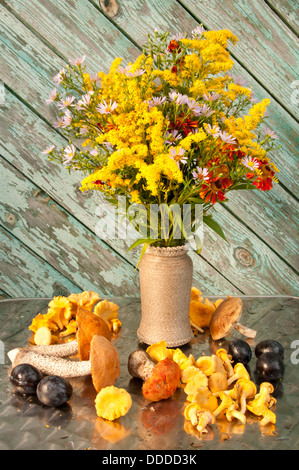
[{"x": 165, "y": 287}]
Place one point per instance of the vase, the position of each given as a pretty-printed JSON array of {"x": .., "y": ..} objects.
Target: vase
[{"x": 165, "y": 289}]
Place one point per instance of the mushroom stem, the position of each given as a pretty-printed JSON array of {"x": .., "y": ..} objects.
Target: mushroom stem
[
  {"x": 56, "y": 350},
  {"x": 245, "y": 331},
  {"x": 50, "y": 365},
  {"x": 140, "y": 365}
]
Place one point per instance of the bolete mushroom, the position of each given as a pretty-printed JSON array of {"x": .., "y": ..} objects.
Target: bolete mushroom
[
  {"x": 103, "y": 364},
  {"x": 88, "y": 325},
  {"x": 163, "y": 381},
  {"x": 140, "y": 365},
  {"x": 226, "y": 318}
]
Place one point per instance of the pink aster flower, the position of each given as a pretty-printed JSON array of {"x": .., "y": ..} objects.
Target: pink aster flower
[
  {"x": 270, "y": 133},
  {"x": 66, "y": 102},
  {"x": 200, "y": 174},
  {"x": 211, "y": 96},
  {"x": 178, "y": 98},
  {"x": 156, "y": 101},
  {"x": 127, "y": 71},
  {"x": 84, "y": 102},
  {"x": 105, "y": 108},
  {"x": 172, "y": 136},
  {"x": 229, "y": 139},
  {"x": 48, "y": 150},
  {"x": 59, "y": 77},
  {"x": 198, "y": 31},
  {"x": 78, "y": 61},
  {"x": 52, "y": 97},
  {"x": 66, "y": 119}
]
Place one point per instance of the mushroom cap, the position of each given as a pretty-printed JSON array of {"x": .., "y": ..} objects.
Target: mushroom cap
[
  {"x": 88, "y": 325},
  {"x": 225, "y": 316},
  {"x": 104, "y": 361}
]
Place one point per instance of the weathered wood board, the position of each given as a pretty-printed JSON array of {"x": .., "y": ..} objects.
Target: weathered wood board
[{"x": 48, "y": 225}]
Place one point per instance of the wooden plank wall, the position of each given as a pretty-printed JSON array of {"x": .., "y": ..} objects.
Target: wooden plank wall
[{"x": 47, "y": 234}]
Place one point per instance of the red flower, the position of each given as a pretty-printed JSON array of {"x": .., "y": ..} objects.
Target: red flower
[
  {"x": 212, "y": 192},
  {"x": 174, "y": 46},
  {"x": 184, "y": 125},
  {"x": 263, "y": 184}
]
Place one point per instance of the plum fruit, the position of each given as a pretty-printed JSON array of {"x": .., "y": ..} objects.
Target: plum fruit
[
  {"x": 25, "y": 379},
  {"x": 270, "y": 367},
  {"x": 269, "y": 346},
  {"x": 54, "y": 391},
  {"x": 239, "y": 351}
]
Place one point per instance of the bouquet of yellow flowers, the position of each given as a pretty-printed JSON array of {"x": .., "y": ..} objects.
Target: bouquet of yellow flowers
[{"x": 172, "y": 128}]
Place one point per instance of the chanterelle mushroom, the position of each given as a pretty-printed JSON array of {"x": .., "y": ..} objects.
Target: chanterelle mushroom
[{"x": 226, "y": 318}]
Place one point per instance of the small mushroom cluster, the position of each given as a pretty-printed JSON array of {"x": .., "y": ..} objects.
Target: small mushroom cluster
[
  {"x": 214, "y": 387},
  {"x": 220, "y": 317},
  {"x": 60, "y": 320}
]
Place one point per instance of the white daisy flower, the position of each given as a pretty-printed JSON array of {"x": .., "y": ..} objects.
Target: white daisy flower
[
  {"x": 69, "y": 153},
  {"x": 250, "y": 163},
  {"x": 66, "y": 102},
  {"x": 84, "y": 102},
  {"x": 177, "y": 154},
  {"x": 48, "y": 150},
  {"x": 105, "y": 108},
  {"x": 213, "y": 130},
  {"x": 172, "y": 136},
  {"x": 52, "y": 97},
  {"x": 66, "y": 119},
  {"x": 128, "y": 73},
  {"x": 178, "y": 98},
  {"x": 229, "y": 139},
  {"x": 156, "y": 101}
]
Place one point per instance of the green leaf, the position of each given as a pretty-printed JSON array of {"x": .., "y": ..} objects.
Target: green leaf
[
  {"x": 244, "y": 186},
  {"x": 208, "y": 220},
  {"x": 140, "y": 241}
]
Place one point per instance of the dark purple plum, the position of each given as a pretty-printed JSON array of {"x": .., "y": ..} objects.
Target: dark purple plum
[
  {"x": 54, "y": 391},
  {"x": 239, "y": 351},
  {"x": 270, "y": 366},
  {"x": 269, "y": 346},
  {"x": 25, "y": 379}
]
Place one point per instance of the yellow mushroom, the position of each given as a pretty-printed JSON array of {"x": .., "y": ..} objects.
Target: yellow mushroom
[
  {"x": 158, "y": 351},
  {"x": 204, "y": 398},
  {"x": 240, "y": 372},
  {"x": 112, "y": 402},
  {"x": 244, "y": 389},
  {"x": 70, "y": 329},
  {"x": 106, "y": 310},
  {"x": 268, "y": 417},
  {"x": 196, "y": 382},
  {"x": 262, "y": 400},
  {"x": 226, "y": 402},
  {"x": 181, "y": 359},
  {"x": 217, "y": 382},
  {"x": 222, "y": 353},
  {"x": 199, "y": 417},
  {"x": 232, "y": 412}
]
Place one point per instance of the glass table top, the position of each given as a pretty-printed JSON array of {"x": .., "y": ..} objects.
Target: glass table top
[{"x": 25, "y": 424}]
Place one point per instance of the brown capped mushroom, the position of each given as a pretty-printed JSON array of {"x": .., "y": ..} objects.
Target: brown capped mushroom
[
  {"x": 226, "y": 318},
  {"x": 103, "y": 364},
  {"x": 88, "y": 325}
]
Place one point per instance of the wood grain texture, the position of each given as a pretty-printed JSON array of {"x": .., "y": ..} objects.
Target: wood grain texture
[
  {"x": 35, "y": 47},
  {"x": 24, "y": 274},
  {"x": 288, "y": 11},
  {"x": 266, "y": 47},
  {"x": 58, "y": 238}
]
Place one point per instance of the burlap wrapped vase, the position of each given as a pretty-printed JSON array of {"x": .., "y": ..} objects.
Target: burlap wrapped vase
[{"x": 165, "y": 288}]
